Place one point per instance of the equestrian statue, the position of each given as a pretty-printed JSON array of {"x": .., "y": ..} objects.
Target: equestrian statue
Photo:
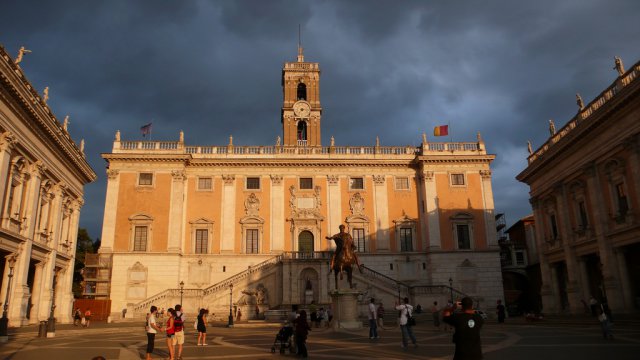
[{"x": 344, "y": 257}]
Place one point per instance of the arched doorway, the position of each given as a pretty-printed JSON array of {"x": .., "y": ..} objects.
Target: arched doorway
[{"x": 305, "y": 243}]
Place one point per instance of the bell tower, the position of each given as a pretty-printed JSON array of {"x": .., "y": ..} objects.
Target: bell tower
[{"x": 301, "y": 111}]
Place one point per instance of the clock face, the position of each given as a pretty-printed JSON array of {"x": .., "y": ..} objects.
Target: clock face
[{"x": 301, "y": 109}]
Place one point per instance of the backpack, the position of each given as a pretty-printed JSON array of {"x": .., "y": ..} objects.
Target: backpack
[
  {"x": 411, "y": 321},
  {"x": 178, "y": 323}
]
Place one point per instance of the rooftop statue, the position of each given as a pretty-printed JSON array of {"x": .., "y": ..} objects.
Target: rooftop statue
[
  {"x": 552, "y": 128},
  {"x": 619, "y": 66},
  {"x": 21, "y": 53},
  {"x": 65, "y": 124},
  {"x": 529, "y": 147},
  {"x": 45, "y": 95},
  {"x": 579, "y": 102}
]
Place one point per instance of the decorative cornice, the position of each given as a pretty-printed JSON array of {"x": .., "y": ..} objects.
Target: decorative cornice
[{"x": 7, "y": 141}]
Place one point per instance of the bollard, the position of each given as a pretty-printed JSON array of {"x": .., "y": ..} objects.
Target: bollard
[{"x": 42, "y": 330}]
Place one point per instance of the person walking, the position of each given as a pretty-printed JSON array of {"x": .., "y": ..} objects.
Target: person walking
[
  {"x": 593, "y": 304},
  {"x": 87, "y": 317},
  {"x": 467, "y": 327},
  {"x": 406, "y": 311},
  {"x": 171, "y": 333},
  {"x": 152, "y": 330},
  {"x": 373, "y": 320},
  {"x": 381, "y": 316},
  {"x": 435, "y": 313},
  {"x": 77, "y": 317},
  {"x": 500, "y": 311},
  {"x": 202, "y": 327},
  {"x": 178, "y": 324},
  {"x": 605, "y": 322},
  {"x": 302, "y": 329}
]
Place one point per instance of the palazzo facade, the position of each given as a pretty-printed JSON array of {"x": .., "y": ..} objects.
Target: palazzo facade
[
  {"x": 210, "y": 223},
  {"x": 42, "y": 175},
  {"x": 585, "y": 192}
]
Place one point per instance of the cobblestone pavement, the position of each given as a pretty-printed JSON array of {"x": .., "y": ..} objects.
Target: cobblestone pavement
[{"x": 127, "y": 341}]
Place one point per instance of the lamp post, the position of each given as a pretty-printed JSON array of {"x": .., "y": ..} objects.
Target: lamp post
[
  {"x": 181, "y": 291},
  {"x": 451, "y": 288},
  {"x": 4, "y": 321},
  {"x": 51, "y": 323},
  {"x": 230, "y": 324}
]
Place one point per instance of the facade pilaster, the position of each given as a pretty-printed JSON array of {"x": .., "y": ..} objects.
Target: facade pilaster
[
  {"x": 489, "y": 210},
  {"x": 334, "y": 206},
  {"x": 33, "y": 199},
  {"x": 7, "y": 143},
  {"x": 634, "y": 158},
  {"x": 37, "y": 291},
  {"x": 381, "y": 213},
  {"x": 64, "y": 294},
  {"x": 574, "y": 285},
  {"x": 228, "y": 230},
  {"x": 584, "y": 278},
  {"x": 625, "y": 282},
  {"x": 110, "y": 211},
  {"x": 433, "y": 212},
  {"x": 547, "y": 290},
  {"x": 176, "y": 211},
  {"x": 277, "y": 214}
]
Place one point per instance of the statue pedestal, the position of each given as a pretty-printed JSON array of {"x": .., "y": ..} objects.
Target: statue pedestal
[{"x": 344, "y": 304}]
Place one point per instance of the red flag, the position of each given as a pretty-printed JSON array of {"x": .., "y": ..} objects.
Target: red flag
[
  {"x": 146, "y": 129},
  {"x": 442, "y": 130}
]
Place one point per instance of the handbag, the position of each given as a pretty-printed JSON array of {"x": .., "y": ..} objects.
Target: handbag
[{"x": 411, "y": 321}]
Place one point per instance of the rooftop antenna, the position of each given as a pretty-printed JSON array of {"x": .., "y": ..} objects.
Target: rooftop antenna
[{"x": 300, "y": 54}]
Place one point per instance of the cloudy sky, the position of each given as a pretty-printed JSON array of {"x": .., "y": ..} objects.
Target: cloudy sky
[{"x": 389, "y": 68}]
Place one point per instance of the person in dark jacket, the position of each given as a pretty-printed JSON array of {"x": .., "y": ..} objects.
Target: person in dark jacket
[
  {"x": 302, "y": 330},
  {"x": 467, "y": 327}
]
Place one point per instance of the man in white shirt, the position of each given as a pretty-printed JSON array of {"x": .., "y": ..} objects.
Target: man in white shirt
[
  {"x": 406, "y": 311},
  {"x": 373, "y": 325},
  {"x": 152, "y": 330}
]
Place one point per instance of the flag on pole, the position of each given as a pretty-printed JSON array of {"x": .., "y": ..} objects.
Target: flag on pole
[
  {"x": 146, "y": 129},
  {"x": 442, "y": 130}
]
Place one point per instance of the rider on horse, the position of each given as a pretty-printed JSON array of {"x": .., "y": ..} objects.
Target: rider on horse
[{"x": 344, "y": 250}]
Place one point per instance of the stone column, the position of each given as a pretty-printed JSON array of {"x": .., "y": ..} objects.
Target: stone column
[
  {"x": 584, "y": 279},
  {"x": 33, "y": 199},
  {"x": 381, "y": 213},
  {"x": 625, "y": 282},
  {"x": 489, "y": 210},
  {"x": 547, "y": 290},
  {"x": 277, "y": 214},
  {"x": 110, "y": 211},
  {"x": 633, "y": 144},
  {"x": 35, "y": 297},
  {"x": 64, "y": 294},
  {"x": 574, "y": 285},
  {"x": 7, "y": 143},
  {"x": 228, "y": 228},
  {"x": 432, "y": 208},
  {"x": 610, "y": 278},
  {"x": 176, "y": 211},
  {"x": 334, "y": 206}
]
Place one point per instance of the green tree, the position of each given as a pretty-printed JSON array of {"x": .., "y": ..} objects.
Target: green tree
[{"x": 84, "y": 245}]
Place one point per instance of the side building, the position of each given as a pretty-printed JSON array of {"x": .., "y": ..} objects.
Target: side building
[
  {"x": 206, "y": 223},
  {"x": 585, "y": 191},
  {"x": 42, "y": 175}
]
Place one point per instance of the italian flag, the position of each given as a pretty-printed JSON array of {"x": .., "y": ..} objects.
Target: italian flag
[{"x": 442, "y": 130}]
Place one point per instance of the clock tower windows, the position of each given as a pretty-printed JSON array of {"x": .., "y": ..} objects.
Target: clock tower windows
[
  {"x": 302, "y": 91},
  {"x": 302, "y": 133}
]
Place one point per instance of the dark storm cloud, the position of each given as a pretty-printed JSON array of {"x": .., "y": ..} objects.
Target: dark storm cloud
[{"x": 389, "y": 68}]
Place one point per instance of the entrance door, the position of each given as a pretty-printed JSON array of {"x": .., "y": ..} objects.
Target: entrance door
[{"x": 305, "y": 243}]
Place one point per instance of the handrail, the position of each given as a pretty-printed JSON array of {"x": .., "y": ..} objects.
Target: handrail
[
  {"x": 241, "y": 275},
  {"x": 375, "y": 275}
]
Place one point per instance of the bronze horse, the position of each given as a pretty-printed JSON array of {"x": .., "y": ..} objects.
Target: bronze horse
[{"x": 344, "y": 258}]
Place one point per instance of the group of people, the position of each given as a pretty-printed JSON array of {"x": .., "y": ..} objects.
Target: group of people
[
  {"x": 81, "y": 319},
  {"x": 174, "y": 329},
  {"x": 321, "y": 317}
]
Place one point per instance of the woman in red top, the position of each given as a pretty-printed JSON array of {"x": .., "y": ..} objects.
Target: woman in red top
[{"x": 171, "y": 331}]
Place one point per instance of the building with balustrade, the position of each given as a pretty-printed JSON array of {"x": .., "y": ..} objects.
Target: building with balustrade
[
  {"x": 246, "y": 225},
  {"x": 585, "y": 192},
  {"x": 42, "y": 176}
]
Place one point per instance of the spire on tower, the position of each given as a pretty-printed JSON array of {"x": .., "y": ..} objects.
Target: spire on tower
[{"x": 300, "y": 53}]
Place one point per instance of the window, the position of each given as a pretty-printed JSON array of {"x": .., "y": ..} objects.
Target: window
[
  {"x": 145, "y": 179},
  {"x": 204, "y": 183},
  {"x": 554, "y": 226},
  {"x": 464, "y": 240},
  {"x": 140, "y": 238},
  {"x": 252, "y": 241},
  {"x": 402, "y": 183},
  {"x": 302, "y": 130},
  {"x": 584, "y": 220},
  {"x": 306, "y": 183},
  {"x": 457, "y": 179},
  {"x": 358, "y": 239},
  {"x": 356, "y": 183},
  {"x": 623, "y": 205},
  {"x": 302, "y": 92},
  {"x": 253, "y": 183},
  {"x": 519, "y": 258},
  {"x": 406, "y": 241},
  {"x": 202, "y": 241}
]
